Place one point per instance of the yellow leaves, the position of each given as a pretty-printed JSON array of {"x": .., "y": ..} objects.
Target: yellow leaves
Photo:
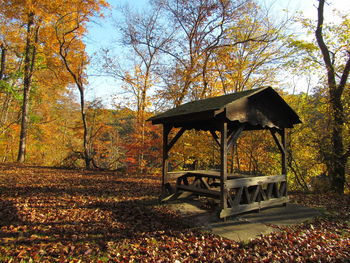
[{"x": 302, "y": 44}]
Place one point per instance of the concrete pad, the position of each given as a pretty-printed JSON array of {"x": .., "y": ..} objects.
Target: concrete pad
[
  {"x": 282, "y": 215},
  {"x": 240, "y": 231},
  {"x": 246, "y": 226}
]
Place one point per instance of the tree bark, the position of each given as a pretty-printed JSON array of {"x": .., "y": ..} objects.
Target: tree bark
[
  {"x": 338, "y": 157},
  {"x": 29, "y": 60},
  {"x": 87, "y": 153},
  {"x": 2, "y": 63}
]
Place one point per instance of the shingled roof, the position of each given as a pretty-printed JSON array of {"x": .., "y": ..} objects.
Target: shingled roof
[{"x": 261, "y": 107}]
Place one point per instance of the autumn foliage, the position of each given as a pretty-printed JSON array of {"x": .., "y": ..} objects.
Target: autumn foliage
[{"x": 58, "y": 215}]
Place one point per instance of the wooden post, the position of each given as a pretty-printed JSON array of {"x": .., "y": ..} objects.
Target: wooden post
[
  {"x": 223, "y": 167},
  {"x": 165, "y": 162},
  {"x": 284, "y": 160},
  {"x": 284, "y": 152}
]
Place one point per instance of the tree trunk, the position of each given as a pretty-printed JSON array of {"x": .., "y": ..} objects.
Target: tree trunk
[
  {"x": 29, "y": 59},
  {"x": 2, "y": 63},
  {"x": 338, "y": 157},
  {"x": 87, "y": 152},
  {"x": 338, "y": 163}
]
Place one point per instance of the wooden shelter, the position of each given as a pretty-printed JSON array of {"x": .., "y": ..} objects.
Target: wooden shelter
[{"x": 225, "y": 117}]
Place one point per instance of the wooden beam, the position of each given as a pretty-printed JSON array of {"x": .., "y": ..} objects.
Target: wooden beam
[
  {"x": 247, "y": 195},
  {"x": 200, "y": 191},
  {"x": 284, "y": 153},
  {"x": 174, "y": 140},
  {"x": 255, "y": 193},
  {"x": 269, "y": 190},
  {"x": 283, "y": 148},
  {"x": 229, "y": 200},
  {"x": 234, "y": 135},
  {"x": 251, "y": 181},
  {"x": 279, "y": 142},
  {"x": 215, "y": 136},
  {"x": 253, "y": 206},
  {"x": 238, "y": 196},
  {"x": 204, "y": 183},
  {"x": 223, "y": 167}
]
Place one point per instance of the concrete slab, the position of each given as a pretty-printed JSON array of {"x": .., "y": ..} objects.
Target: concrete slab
[
  {"x": 240, "y": 231},
  {"x": 247, "y": 226},
  {"x": 283, "y": 215}
]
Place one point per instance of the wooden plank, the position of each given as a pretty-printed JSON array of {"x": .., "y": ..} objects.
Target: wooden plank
[
  {"x": 263, "y": 194},
  {"x": 284, "y": 153},
  {"x": 235, "y": 135},
  {"x": 204, "y": 183},
  {"x": 215, "y": 136},
  {"x": 238, "y": 197},
  {"x": 215, "y": 174},
  {"x": 258, "y": 180},
  {"x": 229, "y": 200},
  {"x": 281, "y": 143},
  {"x": 204, "y": 172},
  {"x": 200, "y": 191},
  {"x": 174, "y": 175},
  {"x": 174, "y": 140},
  {"x": 277, "y": 140},
  {"x": 247, "y": 195},
  {"x": 270, "y": 187},
  {"x": 255, "y": 194},
  {"x": 196, "y": 183},
  {"x": 253, "y": 206}
]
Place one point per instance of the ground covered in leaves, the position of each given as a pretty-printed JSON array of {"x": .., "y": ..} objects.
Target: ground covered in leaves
[{"x": 57, "y": 215}]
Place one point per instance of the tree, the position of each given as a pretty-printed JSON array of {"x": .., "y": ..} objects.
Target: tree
[
  {"x": 27, "y": 17},
  {"x": 143, "y": 35},
  {"x": 32, "y": 36},
  {"x": 337, "y": 77},
  {"x": 329, "y": 51},
  {"x": 255, "y": 55},
  {"x": 216, "y": 45},
  {"x": 27, "y": 40},
  {"x": 26, "y": 14},
  {"x": 70, "y": 27},
  {"x": 199, "y": 27}
]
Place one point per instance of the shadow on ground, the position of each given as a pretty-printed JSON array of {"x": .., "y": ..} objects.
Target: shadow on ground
[{"x": 246, "y": 226}]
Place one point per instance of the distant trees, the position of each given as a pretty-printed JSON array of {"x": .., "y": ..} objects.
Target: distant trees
[
  {"x": 143, "y": 35},
  {"x": 185, "y": 50},
  {"x": 30, "y": 49},
  {"x": 215, "y": 43},
  {"x": 203, "y": 48}
]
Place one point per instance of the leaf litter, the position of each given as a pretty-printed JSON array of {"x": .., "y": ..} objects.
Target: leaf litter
[{"x": 58, "y": 215}]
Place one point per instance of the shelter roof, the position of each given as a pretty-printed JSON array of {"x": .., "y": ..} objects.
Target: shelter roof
[{"x": 259, "y": 108}]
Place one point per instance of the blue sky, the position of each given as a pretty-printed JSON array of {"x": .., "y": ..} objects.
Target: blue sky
[{"x": 102, "y": 33}]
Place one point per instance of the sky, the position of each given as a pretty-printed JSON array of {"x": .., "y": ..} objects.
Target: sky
[{"x": 102, "y": 33}]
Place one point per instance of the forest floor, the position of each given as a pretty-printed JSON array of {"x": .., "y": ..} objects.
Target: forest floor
[{"x": 58, "y": 215}]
